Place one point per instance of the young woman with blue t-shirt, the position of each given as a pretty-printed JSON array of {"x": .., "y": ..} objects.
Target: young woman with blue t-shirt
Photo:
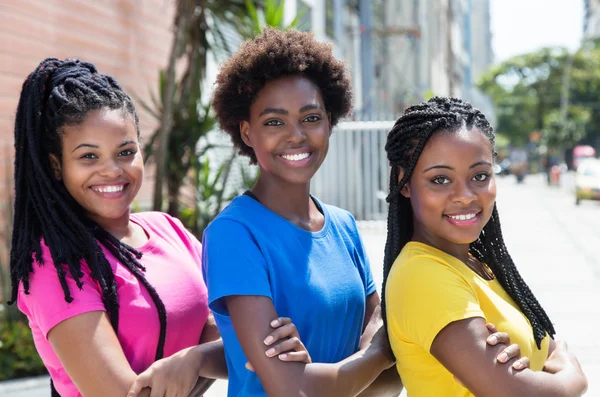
[{"x": 277, "y": 250}]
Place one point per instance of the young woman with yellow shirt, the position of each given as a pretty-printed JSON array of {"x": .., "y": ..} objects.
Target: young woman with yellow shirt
[{"x": 447, "y": 271}]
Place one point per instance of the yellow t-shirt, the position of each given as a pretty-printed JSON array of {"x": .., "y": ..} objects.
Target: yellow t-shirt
[{"x": 428, "y": 289}]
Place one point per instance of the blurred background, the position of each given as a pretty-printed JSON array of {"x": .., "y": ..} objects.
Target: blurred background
[{"x": 532, "y": 66}]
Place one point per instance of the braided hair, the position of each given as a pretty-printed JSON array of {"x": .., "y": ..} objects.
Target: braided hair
[
  {"x": 404, "y": 145},
  {"x": 57, "y": 94}
]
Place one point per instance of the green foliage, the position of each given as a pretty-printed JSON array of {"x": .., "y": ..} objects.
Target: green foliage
[
  {"x": 531, "y": 93},
  {"x": 18, "y": 356},
  {"x": 271, "y": 14}
]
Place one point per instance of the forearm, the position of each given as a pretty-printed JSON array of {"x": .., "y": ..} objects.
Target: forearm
[
  {"x": 212, "y": 355},
  {"x": 542, "y": 384},
  {"x": 388, "y": 384},
  {"x": 348, "y": 378}
]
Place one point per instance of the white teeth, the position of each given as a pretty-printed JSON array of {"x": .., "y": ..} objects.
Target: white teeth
[
  {"x": 109, "y": 189},
  {"x": 295, "y": 157},
  {"x": 462, "y": 217}
]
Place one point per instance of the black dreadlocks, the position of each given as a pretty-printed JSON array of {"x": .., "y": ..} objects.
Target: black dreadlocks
[
  {"x": 57, "y": 94},
  {"x": 404, "y": 145}
]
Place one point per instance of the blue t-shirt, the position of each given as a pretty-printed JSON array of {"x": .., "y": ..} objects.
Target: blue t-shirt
[{"x": 320, "y": 280}]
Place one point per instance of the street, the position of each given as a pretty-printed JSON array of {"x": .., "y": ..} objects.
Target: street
[{"x": 554, "y": 244}]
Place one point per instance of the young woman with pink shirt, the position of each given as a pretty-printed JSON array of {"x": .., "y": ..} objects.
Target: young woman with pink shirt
[{"x": 108, "y": 294}]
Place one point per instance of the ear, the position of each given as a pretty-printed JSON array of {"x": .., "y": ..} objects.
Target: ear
[
  {"x": 406, "y": 188},
  {"x": 330, "y": 124},
  {"x": 245, "y": 132},
  {"x": 56, "y": 167}
]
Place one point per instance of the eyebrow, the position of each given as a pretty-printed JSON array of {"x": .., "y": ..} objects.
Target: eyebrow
[
  {"x": 285, "y": 112},
  {"x": 126, "y": 142},
  {"x": 446, "y": 167}
]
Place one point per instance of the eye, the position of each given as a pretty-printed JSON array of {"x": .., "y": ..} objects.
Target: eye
[
  {"x": 312, "y": 119},
  {"x": 127, "y": 153},
  {"x": 481, "y": 177},
  {"x": 440, "y": 180},
  {"x": 273, "y": 123},
  {"x": 89, "y": 156}
]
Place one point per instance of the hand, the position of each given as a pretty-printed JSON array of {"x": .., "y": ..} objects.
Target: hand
[
  {"x": 509, "y": 352},
  {"x": 174, "y": 376},
  {"x": 562, "y": 359},
  {"x": 286, "y": 343}
]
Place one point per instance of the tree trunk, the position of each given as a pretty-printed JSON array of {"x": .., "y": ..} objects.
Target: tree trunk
[{"x": 167, "y": 115}]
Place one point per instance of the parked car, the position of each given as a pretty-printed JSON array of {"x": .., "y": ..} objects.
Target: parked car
[
  {"x": 582, "y": 153},
  {"x": 587, "y": 181}
]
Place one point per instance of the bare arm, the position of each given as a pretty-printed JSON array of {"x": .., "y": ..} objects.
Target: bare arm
[
  {"x": 461, "y": 347},
  {"x": 89, "y": 350},
  {"x": 251, "y": 315},
  {"x": 388, "y": 383}
]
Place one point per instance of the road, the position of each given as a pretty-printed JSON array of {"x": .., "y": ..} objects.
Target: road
[{"x": 555, "y": 246}]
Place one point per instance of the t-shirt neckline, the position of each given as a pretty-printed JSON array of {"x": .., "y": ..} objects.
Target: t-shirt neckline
[{"x": 318, "y": 234}]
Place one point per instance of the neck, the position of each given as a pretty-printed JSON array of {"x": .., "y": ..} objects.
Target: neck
[
  {"x": 460, "y": 251},
  {"x": 290, "y": 201},
  {"x": 121, "y": 228}
]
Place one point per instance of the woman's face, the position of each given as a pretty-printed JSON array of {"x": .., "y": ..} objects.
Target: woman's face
[
  {"x": 101, "y": 165},
  {"x": 452, "y": 189},
  {"x": 288, "y": 130}
]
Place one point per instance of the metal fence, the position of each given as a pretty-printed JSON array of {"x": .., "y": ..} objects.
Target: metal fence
[{"x": 355, "y": 174}]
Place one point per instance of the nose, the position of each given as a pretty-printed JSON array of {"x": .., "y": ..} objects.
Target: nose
[
  {"x": 297, "y": 134},
  {"x": 111, "y": 169},
  {"x": 463, "y": 193}
]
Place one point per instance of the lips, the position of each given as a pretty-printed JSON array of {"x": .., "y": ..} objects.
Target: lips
[
  {"x": 296, "y": 156},
  {"x": 463, "y": 219},
  {"x": 110, "y": 190}
]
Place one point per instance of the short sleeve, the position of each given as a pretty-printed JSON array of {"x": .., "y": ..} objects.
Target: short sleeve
[
  {"x": 424, "y": 295},
  {"x": 45, "y": 305},
  {"x": 232, "y": 263},
  {"x": 362, "y": 260}
]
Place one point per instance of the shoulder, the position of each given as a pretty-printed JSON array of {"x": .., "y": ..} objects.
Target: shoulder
[
  {"x": 421, "y": 267},
  {"x": 242, "y": 215}
]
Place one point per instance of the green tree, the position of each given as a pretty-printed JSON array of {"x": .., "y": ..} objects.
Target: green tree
[{"x": 551, "y": 91}]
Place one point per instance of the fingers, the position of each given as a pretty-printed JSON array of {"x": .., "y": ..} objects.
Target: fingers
[
  {"x": 498, "y": 337},
  {"x": 521, "y": 363},
  {"x": 510, "y": 352},
  {"x": 301, "y": 357},
  {"x": 143, "y": 380},
  {"x": 291, "y": 344},
  {"x": 286, "y": 330},
  {"x": 491, "y": 327},
  {"x": 249, "y": 366}
]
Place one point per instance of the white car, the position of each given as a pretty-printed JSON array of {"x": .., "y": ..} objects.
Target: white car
[{"x": 587, "y": 181}]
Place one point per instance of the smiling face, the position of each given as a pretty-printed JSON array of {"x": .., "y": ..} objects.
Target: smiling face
[
  {"x": 452, "y": 189},
  {"x": 288, "y": 130},
  {"x": 101, "y": 164}
]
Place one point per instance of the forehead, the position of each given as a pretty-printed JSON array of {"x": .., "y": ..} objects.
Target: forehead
[
  {"x": 288, "y": 92},
  {"x": 457, "y": 146},
  {"x": 101, "y": 124}
]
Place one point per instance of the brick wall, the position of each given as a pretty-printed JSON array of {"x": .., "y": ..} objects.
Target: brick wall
[{"x": 128, "y": 39}]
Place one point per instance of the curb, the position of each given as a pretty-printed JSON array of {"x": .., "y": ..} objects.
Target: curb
[{"x": 24, "y": 384}]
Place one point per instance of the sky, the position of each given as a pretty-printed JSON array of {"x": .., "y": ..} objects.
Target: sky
[{"x": 521, "y": 26}]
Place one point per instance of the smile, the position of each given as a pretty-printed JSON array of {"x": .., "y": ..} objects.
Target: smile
[
  {"x": 109, "y": 189},
  {"x": 464, "y": 220},
  {"x": 295, "y": 157},
  {"x": 465, "y": 217}
]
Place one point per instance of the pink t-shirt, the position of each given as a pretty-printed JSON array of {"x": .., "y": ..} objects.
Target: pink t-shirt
[{"x": 173, "y": 267}]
